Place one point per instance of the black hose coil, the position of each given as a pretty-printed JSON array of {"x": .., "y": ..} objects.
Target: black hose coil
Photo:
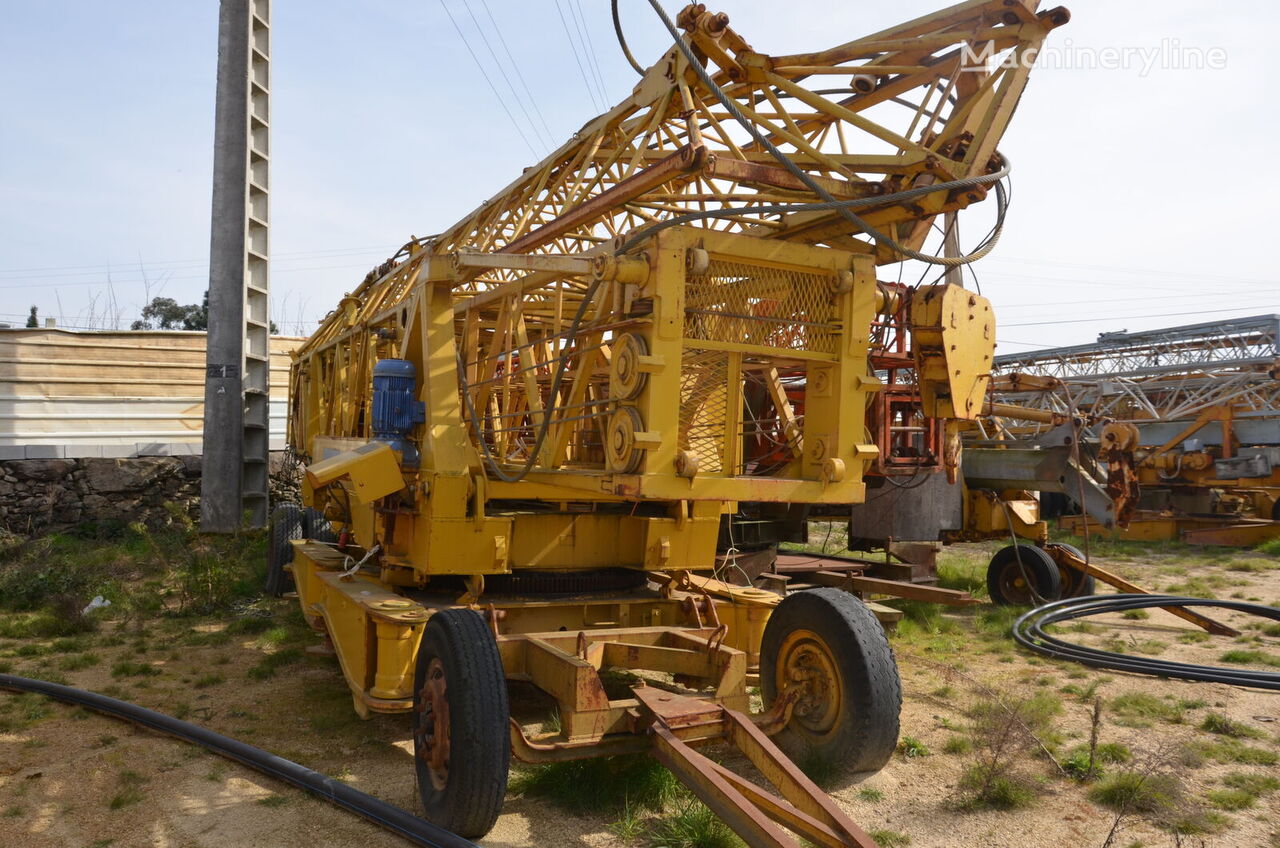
[
  {"x": 398, "y": 821},
  {"x": 1029, "y": 631}
]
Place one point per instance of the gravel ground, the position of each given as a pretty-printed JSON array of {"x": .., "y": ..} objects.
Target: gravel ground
[{"x": 70, "y": 778}]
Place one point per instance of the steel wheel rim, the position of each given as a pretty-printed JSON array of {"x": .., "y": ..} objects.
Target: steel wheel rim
[
  {"x": 805, "y": 660},
  {"x": 432, "y": 732},
  {"x": 1013, "y": 586}
]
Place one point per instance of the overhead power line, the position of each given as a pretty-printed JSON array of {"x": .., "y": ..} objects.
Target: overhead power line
[
  {"x": 502, "y": 70},
  {"x": 573, "y": 47},
  {"x": 584, "y": 32},
  {"x": 201, "y": 262},
  {"x": 1097, "y": 319},
  {"x": 487, "y": 79},
  {"x": 520, "y": 75}
]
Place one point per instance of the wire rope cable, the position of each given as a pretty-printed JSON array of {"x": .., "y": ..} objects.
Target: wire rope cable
[{"x": 554, "y": 392}]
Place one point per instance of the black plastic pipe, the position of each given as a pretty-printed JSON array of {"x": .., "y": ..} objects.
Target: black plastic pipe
[
  {"x": 394, "y": 819},
  {"x": 1029, "y": 631}
]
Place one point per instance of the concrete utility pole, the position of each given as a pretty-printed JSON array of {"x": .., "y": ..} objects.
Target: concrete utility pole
[{"x": 233, "y": 491}]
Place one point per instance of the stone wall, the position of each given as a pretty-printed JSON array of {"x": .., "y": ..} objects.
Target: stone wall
[{"x": 40, "y": 495}]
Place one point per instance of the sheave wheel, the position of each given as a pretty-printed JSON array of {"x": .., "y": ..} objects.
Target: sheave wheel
[
  {"x": 1075, "y": 584},
  {"x": 827, "y": 642},
  {"x": 286, "y": 524},
  {"x": 461, "y": 745},
  {"x": 1010, "y": 583}
]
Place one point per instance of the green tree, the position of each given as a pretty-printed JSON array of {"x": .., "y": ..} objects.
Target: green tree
[
  {"x": 33, "y": 320},
  {"x": 165, "y": 313},
  {"x": 162, "y": 313}
]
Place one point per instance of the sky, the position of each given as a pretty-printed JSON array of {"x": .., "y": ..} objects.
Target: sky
[{"x": 1140, "y": 185}]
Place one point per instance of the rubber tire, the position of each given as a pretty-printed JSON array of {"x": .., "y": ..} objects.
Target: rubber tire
[
  {"x": 1275, "y": 511},
  {"x": 479, "y": 740},
  {"x": 1075, "y": 584},
  {"x": 866, "y": 738},
  {"x": 286, "y": 524},
  {"x": 315, "y": 526},
  {"x": 1040, "y": 568}
]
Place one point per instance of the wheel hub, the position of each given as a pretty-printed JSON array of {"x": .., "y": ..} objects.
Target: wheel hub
[
  {"x": 1015, "y": 586},
  {"x": 805, "y": 662},
  {"x": 432, "y": 732}
]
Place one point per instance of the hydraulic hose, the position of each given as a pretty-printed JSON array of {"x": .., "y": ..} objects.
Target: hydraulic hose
[
  {"x": 1029, "y": 631},
  {"x": 394, "y": 819}
]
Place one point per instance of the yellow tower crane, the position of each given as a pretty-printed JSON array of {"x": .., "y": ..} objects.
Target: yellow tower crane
[{"x": 525, "y": 431}]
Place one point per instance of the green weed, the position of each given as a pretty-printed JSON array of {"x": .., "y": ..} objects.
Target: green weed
[
  {"x": 128, "y": 791},
  {"x": 76, "y": 662},
  {"x": 1134, "y": 791},
  {"x": 890, "y": 838},
  {"x": 130, "y": 668},
  {"x": 1250, "y": 658},
  {"x": 693, "y": 825},
  {"x": 271, "y": 663},
  {"x": 601, "y": 784},
  {"x": 911, "y": 747},
  {"x": 1223, "y": 726},
  {"x": 1231, "y": 799}
]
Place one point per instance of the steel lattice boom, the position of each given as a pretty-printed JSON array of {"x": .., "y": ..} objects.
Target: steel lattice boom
[{"x": 1158, "y": 375}]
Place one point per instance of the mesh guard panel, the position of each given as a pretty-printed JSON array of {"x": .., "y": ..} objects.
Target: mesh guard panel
[{"x": 749, "y": 304}]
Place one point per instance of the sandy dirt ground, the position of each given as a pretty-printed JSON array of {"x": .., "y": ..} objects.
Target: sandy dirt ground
[{"x": 72, "y": 779}]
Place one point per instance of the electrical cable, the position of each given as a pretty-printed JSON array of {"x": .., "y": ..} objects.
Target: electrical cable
[
  {"x": 502, "y": 70},
  {"x": 786, "y": 208},
  {"x": 485, "y": 74},
  {"x": 622, "y": 40},
  {"x": 519, "y": 74},
  {"x": 398, "y": 821},
  {"x": 800, "y": 174},
  {"x": 573, "y": 46},
  {"x": 584, "y": 33},
  {"x": 1029, "y": 631}
]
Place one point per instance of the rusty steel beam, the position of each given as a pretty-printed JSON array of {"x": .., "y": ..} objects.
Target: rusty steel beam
[
  {"x": 1065, "y": 557},
  {"x": 684, "y": 161},
  {"x": 761, "y": 817},
  {"x": 857, "y": 584}
]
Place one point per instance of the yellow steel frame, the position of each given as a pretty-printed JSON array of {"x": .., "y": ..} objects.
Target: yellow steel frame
[
  {"x": 705, "y": 631},
  {"x": 583, "y": 384}
]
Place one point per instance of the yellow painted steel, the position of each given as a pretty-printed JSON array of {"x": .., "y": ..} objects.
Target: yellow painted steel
[{"x": 585, "y": 378}]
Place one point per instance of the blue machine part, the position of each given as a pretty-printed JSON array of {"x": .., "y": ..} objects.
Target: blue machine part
[{"x": 396, "y": 411}]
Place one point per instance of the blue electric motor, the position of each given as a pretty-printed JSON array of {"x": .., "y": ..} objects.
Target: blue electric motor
[{"x": 396, "y": 411}]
